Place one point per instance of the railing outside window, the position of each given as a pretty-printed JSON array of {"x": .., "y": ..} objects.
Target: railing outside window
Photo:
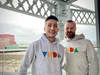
[{"x": 10, "y": 61}]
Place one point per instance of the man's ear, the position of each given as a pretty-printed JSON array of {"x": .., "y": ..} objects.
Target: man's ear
[
  {"x": 75, "y": 28},
  {"x": 44, "y": 28},
  {"x": 58, "y": 29}
]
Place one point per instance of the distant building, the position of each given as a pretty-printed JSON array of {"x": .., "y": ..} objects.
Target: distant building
[
  {"x": 17, "y": 46},
  {"x": 6, "y": 39}
]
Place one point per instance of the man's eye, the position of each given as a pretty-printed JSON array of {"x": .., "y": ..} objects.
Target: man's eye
[
  {"x": 55, "y": 26},
  {"x": 67, "y": 28},
  {"x": 49, "y": 25}
]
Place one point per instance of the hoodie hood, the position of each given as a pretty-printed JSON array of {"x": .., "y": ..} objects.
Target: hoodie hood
[
  {"x": 47, "y": 41},
  {"x": 77, "y": 37}
]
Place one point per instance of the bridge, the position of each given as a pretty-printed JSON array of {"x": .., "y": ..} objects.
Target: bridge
[{"x": 63, "y": 9}]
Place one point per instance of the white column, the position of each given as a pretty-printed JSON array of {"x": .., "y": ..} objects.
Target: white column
[
  {"x": 63, "y": 13},
  {"x": 97, "y": 12}
]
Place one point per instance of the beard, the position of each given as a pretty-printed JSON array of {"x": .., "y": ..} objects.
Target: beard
[{"x": 70, "y": 35}]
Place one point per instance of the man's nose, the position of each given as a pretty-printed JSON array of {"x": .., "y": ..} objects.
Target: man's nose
[
  {"x": 52, "y": 27},
  {"x": 69, "y": 29}
]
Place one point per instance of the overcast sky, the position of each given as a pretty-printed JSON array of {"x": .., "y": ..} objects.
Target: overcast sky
[
  {"x": 24, "y": 27},
  {"x": 28, "y": 28}
]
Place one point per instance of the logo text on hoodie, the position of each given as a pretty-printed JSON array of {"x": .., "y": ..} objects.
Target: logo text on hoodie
[
  {"x": 71, "y": 49},
  {"x": 51, "y": 54}
]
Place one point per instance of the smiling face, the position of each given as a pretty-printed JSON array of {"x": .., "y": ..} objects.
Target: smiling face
[
  {"x": 51, "y": 28},
  {"x": 70, "y": 29}
]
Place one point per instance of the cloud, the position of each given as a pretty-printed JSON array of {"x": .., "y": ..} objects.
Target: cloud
[
  {"x": 22, "y": 34},
  {"x": 8, "y": 28},
  {"x": 25, "y": 28},
  {"x": 88, "y": 30}
]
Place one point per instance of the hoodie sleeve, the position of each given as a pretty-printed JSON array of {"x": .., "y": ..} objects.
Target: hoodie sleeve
[
  {"x": 62, "y": 59},
  {"x": 27, "y": 60},
  {"x": 92, "y": 59}
]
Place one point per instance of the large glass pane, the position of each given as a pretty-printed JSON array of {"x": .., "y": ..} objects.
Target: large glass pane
[{"x": 17, "y": 32}]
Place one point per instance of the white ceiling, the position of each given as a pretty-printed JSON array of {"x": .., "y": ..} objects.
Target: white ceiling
[{"x": 88, "y": 4}]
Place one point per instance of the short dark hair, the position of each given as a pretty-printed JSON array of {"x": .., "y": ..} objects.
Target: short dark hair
[
  {"x": 70, "y": 21},
  {"x": 51, "y": 17}
]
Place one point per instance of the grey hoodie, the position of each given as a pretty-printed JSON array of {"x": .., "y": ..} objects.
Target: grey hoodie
[
  {"x": 81, "y": 58},
  {"x": 44, "y": 57}
]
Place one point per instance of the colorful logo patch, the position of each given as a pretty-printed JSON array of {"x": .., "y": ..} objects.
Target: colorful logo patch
[
  {"x": 51, "y": 54},
  {"x": 71, "y": 49}
]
